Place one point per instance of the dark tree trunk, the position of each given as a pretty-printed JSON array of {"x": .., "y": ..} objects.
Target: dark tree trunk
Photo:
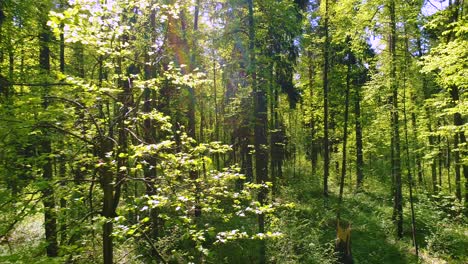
[
  {"x": 418, "y": 158},
  {"x": 107, "y": 185},
  {"x": 358, "y": 128},
  {"x": 274, "y": 133},
  {"x": 448, "y": 165},
  {"x": 62, "y": 170},
  {"x": 125, "y": 98},
  {"x": 150, "y": 134},
  {"x": 456, "y": 157},
  {"x": 345, "y": 132},
  {"x": 216, "y": 124},
  {"x": 62, "y": 53},
  {"x": 343, "y": 235},
  {"x": 408, "y": 158},
  {"x": 63, "y": 202},
  {"x": 432, "y": 142},
  {"x": 260, "y": 128},
  {"x": 459, "y": 139},
  {"x": 326, "y": 145},
  {"x": 11, "y": 70},
  {"x": 395, "y": 123},
  {"x": 313, "y": 145},
  {"x": 440, "y": 160},
  {"x": 192, "y": 100},
  {"x": 50, "y": 216}
]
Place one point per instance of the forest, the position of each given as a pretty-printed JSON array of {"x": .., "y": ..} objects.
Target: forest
[{"x": 233, "y": 131}]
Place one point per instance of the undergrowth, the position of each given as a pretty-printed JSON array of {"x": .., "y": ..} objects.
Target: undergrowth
[{"x": 308, "y": 229}]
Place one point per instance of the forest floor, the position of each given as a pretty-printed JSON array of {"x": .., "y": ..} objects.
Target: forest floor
[
  {"x": 441, "y": 229},
  {"x": 309, "y": 229}
]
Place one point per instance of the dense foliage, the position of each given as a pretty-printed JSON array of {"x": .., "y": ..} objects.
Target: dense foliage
[{"x": 257, "y": 131}]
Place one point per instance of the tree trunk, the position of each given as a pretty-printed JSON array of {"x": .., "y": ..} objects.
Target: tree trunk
[
  {"x": 274, "y": 132},
  {"x": 459, "y": 139},
  {"x": 432, "y": 142},
  {"x": 192, "y": 99},
  {"x": 456, "y": 157},
  {"x": 343, "y": 235},
  {"x": 313, "y": 148},
  {"x": 448, "y": 156},
  {"x": 408, "y": 159},
  {"x": 358, "y": 128},
  {"x": 216, "y": 124},
  {"x": 150, "y": 134},
  {"x": 62, "y": 170},
  {"x": 50, "y": 216},
  {"x": 107, "y": 185},
  {"x": 439, "y": 159},
  {"x": 260, "y": 127},
  {"x": 345, "y": 132},
  {"x": 418, "y": 158},
  {"x": 395, "y": 122},
  {"x": 326, "y": 147}
]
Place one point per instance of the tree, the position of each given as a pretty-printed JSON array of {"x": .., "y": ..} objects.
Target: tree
[
  {"x": 326, "y": 154},
  {"x": 445, "y": 61}
]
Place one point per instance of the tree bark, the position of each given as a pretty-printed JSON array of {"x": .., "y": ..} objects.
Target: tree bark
[
  {"x": 459, "y": 139},
  {"x": 313, "y": 148},
  {"x": 50, "y": 216},
  {"x": 260, "y": 137},
  {"x": 107, "y": 185},
  {"x": 432, "y": 142},
  {"x": 326, "y": 147},
  {"x": 358, "y": 132},
  {"x": 395, "y": 122},
  {"x": 345, "y": 132},
  {"x": 408, "y": 158}
]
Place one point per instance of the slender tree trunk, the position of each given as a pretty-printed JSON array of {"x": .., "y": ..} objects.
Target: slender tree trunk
[
  {"x": 408, "y": 158},
  {"x": 260, "y": 127},
  {"x": 418, "y": 158},
  {"x": 63, "y": 202},
  {"x": 150, "y": 133},
  {"x": 192, "y": 99},
  {"x": 125, "y": 98},
  {"x": 191, "y": 103},
  {"x": 414, "y": 123},
  {"x": 326, "y": 147},
  {"x": 432, "y": 142},
  {"x": 313, "y": 148},
  {"x": 345, "y": 134},
  {"x": 11, "y": 71},
  {"x": 50, "y": 216},
  {"x": 62, "y": 53},
  {"x": 107, "y": 185},
  {"x": 456, "y": 158},
  {"x": 440, "y": 160},
  {"x": 274, "y": 132},
  {"x": 343, "y": 242},
  {"x": 395, "y": 122},
  {"x": 459, "y": 139},
  {"x": 449, "y": 180},
  {"x": 358, "y": 132},
  {"x": 215, "y": 94},
  {"x": 62, "y": 170},
  {"x": 2, "y": 19},
  {"x": 280, "y": 137}
]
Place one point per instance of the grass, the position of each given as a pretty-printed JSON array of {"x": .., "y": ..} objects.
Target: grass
[
  {"x": 26, "y": 243},
  {"x": 309, "y": 229},
  {"x": 373, "y": 239}
]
